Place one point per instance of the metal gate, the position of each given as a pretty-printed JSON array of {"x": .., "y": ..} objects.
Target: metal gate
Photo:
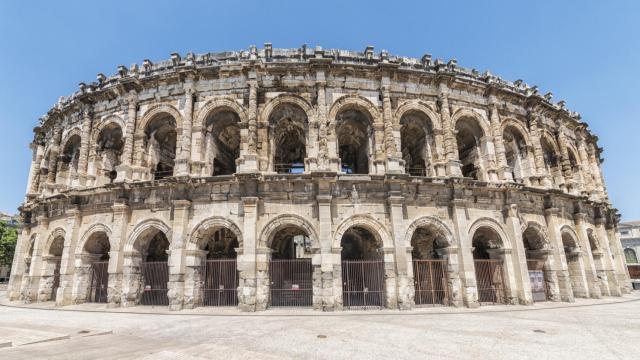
[
  {"x": 155, "y": 275},
  {"x": 363, "y": 284},
  {"x": 291, "y": 282},
  {"x": 431, "y": 282},
  {"x": 220, "y": 283},
  {"x": 56, "y": 282},
  {"x": 536, "y": 278},
  {"x": 99, "y": 282},
  {"x": 490, "y": 281}
]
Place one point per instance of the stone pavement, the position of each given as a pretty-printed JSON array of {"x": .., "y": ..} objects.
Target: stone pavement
[{"x": 588, "y": 329}]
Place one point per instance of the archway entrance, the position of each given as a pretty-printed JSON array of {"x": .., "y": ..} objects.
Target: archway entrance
[
  {"x": 572, "y": 253},
  {"x": 96, "y": 254},
  {"x": 417, "y": 144},
  {"x": 362, "y": 270},
  {"x": 155, "y": 270},
  {"x": 537, "y": 263},
  {"x": 221, "y": 143},
  {"x": 288, "y": 128},
  {"x": 354, "y": 131},
  {"x": 219, "y": 275},
  {"x": 53, "y": 263},
  {"x": 290, "y": 269},
  {"x": 160, "y": 145},
  {"x": 489, "y": 266},
  {"x": 468, "y": 139},
  {"x": 430, "y": 275}
]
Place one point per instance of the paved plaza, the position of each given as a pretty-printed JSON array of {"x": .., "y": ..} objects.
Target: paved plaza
[{"x": 587, "y": 329}]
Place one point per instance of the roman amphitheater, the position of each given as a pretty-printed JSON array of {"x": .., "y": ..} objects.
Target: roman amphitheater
[{"x": 326, "y": 179}]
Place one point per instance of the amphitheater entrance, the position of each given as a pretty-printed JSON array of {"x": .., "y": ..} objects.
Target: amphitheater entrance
[
  {"x": 95, "y": 254},
  {"x": 538, "y": 265},
  {"x": 155, "y": 271},
  {"x": 575, "y": 265},
  {"x": 290, "y": 269},
  {"x": 430, "y": 275},
  {"x": 52, "y": 263},
  {"x": 218, "y": 273},
  {"x": 362, "y": 270},
  {"x": 488, "y": 259}
]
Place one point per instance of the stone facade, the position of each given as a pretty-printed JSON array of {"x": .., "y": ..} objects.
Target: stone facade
[{"x": 406, "y": 158}]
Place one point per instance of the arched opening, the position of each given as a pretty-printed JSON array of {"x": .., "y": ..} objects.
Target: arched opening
[
  {"x": 353, "y": 129},
  {"x": 630, "y": 256},
  {"x": 470, "y": 154},
  {"x": 290, "y": 268},
  {"x": 220, "y": 278},
  {"x": 160, "y": 143},
  {"x": 430, "y": 275},
  {"x": 153, "y": 249},
  {"x": 108, "y": 150},
  {"x": 68, "y": 164},
  {"x": 95, "y": 254},
  {"x": 537, "y": 253},
  {"x": 489, "y": 265},
  {"x": 417, "y": 144},
  {"x": 53, "y": 261},
  {"x": 363, "y": 274},
  {"x": 576, "y": 179},
  {"x": 550, "y": 161},
  {"x": 288, "y": 128},
  {"x": 572, "y": 253},
  {"x": 222, "y": 142},
  {"x": 516, "y": 153}
]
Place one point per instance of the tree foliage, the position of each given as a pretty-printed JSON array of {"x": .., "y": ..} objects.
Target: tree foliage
[{"x": 8, "y": 240}]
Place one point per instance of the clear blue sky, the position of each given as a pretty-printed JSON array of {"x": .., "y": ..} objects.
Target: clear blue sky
[{"x": 586, "y": 52}]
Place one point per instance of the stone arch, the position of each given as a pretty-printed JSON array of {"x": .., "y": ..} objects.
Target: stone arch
[
  {"x": 493, "y": 225},
  {"x": 572, "y": 235},
  {"x": 215, "y": 222},
  {"x": 518, "y": 126},
  {"x": 281, "y": 221},
  {"x": 107, "y": 121},
  {"x": 155, "y": 110},
  {"x": 382, "y": 237},
  {"x": 355, "y": 102},
  {"x": 68, "y": 135},
  {"x": 532, "y": 229},
  {"x": 144, "y": 227},
  {"x": 53, "y": 236},
  {"x": 470, "y": 114},
  {"x": 421, "y": 107},
  {"x": 430, "y": 221},
  {"x": 630, "y": 255},
  {"x": 283, "y": 99},
  {"x": 220, "y": 104},
  {"x": 93, "y": 229}
]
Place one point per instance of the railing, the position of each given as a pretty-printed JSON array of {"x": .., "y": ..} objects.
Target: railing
[
  {"x": 415, "y": 171},
  {"x": 291, "y": 283},
  {"x": 157, "y": 175},
  {"x": 431, "y": 282},
  {"x": 220, "y": 285},
  {"x": 98, "y": 290},
  {"x": 289, "y": 168},
  {"x": 156, "y": 276},
  {"x": 363, "y": 284},
  {"x": 490, "y": 281}
]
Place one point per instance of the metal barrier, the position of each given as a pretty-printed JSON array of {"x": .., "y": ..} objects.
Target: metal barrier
[
  {"x": 291, "y": 282},
  {"x": 220, "y": 285},
  {"x": 99, "y": 282},
  {"x": 415, "y": 171},
  {"x": 431, "y": 282},
  {"x": 363, "y": 284},
  {"x": 289, "y": 168},
  {"x": 536, "y": 278},
  {"x": 155, "y": 275},
  {"x": 490, "y": 281}
]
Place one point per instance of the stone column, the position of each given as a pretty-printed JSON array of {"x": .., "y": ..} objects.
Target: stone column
[
  {"x": 405, "y": 291},
  {"x": 53, "y": 155},
  {"x": 263, "y": 257},
  {"x": 593, "y": 282},
  {"x": 588, "y": 187},
  {"x": 247, "y": 258},
  {"x": 538, "y": 154},
  {"x": 559, "y": 259},
  {"x": 504, "y": 171},
  {"x": 35, "y": 170},
  {"x": 132, "y": 282},
  {"x": 622, "y": 271},
  {"x": 87, "y": 122},
  {"x": 521, "y": 285},
  {"x": 607, "y": 258},
  {"x": 466, "y": 266},
  {"x": 596, "y": 172},
  {"x": 393, "y": 156},
  {"x": 453, "y": 273},
  {"x": 327, "y": 264},
  {"x": 68, "y": 282},
  {"x": 182, "y": 163},
  {"x": 250, "y": 160},
  {"x": 195, "y": 261},
  {"x": 31, "y": 279},
  {"x": 181, "y": 209},
  {"x": 488, "y": 158},
  {"x": 124, "y": 170},
  {"x": 121, "y": 215},
  {"x": 450, "y": 147},
  {"x": 567, "y": 172}
]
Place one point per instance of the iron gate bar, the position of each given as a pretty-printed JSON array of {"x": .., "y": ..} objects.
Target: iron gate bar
[
  {"x": 98, "y": 290},
  {"x": 363, "y": 284},
  {"x": 431, "y": 282},
  {"x": 490, "y": 281},
  {"x": 155, "y": 275},
  {"x": 291, "y": 283},
  {"x": 220, "y": 285}
]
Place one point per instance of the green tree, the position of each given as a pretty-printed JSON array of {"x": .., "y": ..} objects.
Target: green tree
[{"x": 8, "y": 240}]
